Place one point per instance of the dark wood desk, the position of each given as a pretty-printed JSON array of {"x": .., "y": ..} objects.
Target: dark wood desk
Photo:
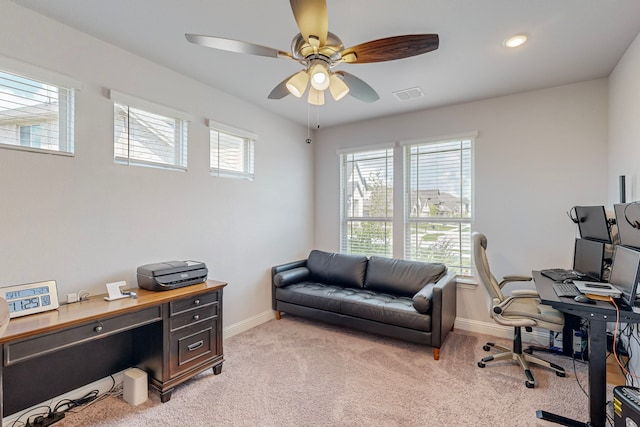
[
  {"x": 597, "y": 315},
  {"x": 172, "y": 335}
]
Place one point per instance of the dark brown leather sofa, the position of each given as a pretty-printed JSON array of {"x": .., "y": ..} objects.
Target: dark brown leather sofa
[{"x": 409, "y": 300}]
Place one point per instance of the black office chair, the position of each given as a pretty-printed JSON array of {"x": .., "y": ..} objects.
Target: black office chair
[{"x": 522, "y": 309}]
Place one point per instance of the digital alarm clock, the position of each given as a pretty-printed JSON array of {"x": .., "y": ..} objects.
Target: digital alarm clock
[{"x": 31, "y": 298}]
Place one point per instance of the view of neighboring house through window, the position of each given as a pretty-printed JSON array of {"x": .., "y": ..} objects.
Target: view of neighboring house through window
[
  {"x": 433, "y": 205},
  {"x": 146, "y": 134},
  {"x": 231, "y": 152},
  {"x": 367, "y": 202},
  {"x": 35, "y": 115},
  {"x": 438, "y": 196}
]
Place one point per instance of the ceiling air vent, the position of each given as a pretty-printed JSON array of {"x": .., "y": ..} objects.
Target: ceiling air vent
[{"x": 407, "y": 94}]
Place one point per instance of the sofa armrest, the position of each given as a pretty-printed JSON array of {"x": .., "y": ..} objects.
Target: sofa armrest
[
  {"x": 443, "y": 308},
  {"x": 288, "y": 277},
  {"x": 279, "y": 269}
]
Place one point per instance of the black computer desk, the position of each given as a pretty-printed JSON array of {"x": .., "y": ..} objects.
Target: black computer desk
[{"x": 597, "y": 315}]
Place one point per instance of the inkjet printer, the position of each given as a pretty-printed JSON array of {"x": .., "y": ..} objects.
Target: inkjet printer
[{"x": 164, "y": 276}]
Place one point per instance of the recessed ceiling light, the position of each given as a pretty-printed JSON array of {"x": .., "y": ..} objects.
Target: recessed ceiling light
[{"x": 517, "y": 40}]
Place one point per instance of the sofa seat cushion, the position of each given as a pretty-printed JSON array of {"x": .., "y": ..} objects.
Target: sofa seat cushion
[{"x": 362, "y": 303}]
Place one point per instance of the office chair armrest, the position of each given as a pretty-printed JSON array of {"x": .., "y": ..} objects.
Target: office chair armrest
[
  {"x": 509, "y": 279},
  {"x": 525, "y": 293},
  {"x": 499, "y": 308}
]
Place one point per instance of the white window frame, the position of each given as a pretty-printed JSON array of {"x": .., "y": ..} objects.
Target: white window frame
[
  {"x": 401, "y": 219},
  {"x": 462, "y": 251},
  {"x": 347, "y": 218},
  {"x": 246, "y": 149},
  {"x": 64, "y": 112},
  {"x": 180, "y": 136}
]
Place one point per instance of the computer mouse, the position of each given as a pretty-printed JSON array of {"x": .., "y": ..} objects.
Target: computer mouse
[{"x": 584, "y": 299}]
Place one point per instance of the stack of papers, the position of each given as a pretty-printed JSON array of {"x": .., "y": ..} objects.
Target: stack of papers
[{"x": 597, "y": 288}]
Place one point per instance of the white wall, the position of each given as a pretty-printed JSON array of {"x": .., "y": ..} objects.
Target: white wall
[
  {"x": 85, "y": 221},
  {"x": 624, "y": 137},
  {"x": 537, "y": 154}
]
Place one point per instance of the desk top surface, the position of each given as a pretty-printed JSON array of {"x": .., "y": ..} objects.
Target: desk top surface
[
  {"x": 97, "y": 308},
  {"x": 601, "y": 310}
]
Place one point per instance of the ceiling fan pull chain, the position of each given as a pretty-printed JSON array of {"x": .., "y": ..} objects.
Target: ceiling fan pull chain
[{"x": 308, "y": 140}]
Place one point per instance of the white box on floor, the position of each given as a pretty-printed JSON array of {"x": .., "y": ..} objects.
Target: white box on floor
[{"x": 135, "y": 387}]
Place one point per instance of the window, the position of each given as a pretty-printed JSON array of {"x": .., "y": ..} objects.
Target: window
[
  {"x": 439, "y": 203},
  {"x": 431, "y": 211},
  {"x": 231, "y": 152},
  {"x": 367, "y": 202},
  {"x": 35, "y": 115},
  {"x": 147, "y": 134}
]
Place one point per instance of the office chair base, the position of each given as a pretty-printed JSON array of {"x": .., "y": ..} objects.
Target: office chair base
[{"x": 523, "y": 359}]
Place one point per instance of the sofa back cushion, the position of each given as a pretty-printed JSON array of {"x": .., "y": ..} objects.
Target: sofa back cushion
[
  {"x": 337, "y": 269},
  {"x": 401, "y": 277}
]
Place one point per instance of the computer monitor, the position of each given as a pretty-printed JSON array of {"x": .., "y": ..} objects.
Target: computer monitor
[
  {"x": 624, "y": 272},
  {"x": 628, "y": 235},
  {"x": 592, "y": 223},
  {"x": 588, "y": 258}
]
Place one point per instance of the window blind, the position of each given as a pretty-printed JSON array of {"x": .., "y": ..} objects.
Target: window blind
[
  {"x": 148, "y": 139},
  {"x": 231, "y": 152},
  {"x": 35, "y": 115},
  {"x": 439, "y": 203},
  {"x": 367, "y": 202}
]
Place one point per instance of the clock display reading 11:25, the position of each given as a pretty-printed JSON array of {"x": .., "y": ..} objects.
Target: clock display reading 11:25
[{"x": 31, "y": 298}]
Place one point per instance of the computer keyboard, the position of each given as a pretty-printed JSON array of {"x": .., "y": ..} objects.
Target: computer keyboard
[
  {"x": 566, "y": 290},
  {"x": 559, "y": 274}
]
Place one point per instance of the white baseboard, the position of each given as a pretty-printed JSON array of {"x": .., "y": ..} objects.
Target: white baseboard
[
  {"x": 247, "y": 324},
  {"x": 539, "y": 336}
]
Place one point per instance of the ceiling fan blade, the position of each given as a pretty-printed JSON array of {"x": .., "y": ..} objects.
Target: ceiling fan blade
[
  {"x": 358, "y": 88},
  {"x": 236, "y": 46},
  {"x": 312, "y": 19},
  {"x": 280, "y": 91},
  {"x": 391, "y": 48}
]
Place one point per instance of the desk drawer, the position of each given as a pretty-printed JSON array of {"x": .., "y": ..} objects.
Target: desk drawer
[
  {"x": 180, "y": 306},
  {"x": 192, "y": 317},
  {"x": 43, "y": 344},
  {"x": 191, "y": 347}
]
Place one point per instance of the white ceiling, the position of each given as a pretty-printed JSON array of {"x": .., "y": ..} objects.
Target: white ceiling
[{"x": 570, "y": 41}]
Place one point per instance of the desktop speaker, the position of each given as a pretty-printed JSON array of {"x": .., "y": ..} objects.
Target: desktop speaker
[
  {"x": 626, "y": 406},
  {"x": 135, "y": 387}
]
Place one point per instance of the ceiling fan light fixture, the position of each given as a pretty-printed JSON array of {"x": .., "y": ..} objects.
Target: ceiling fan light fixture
[
  {"x": 319, "y": 76},
  {"x": 297, "y": 84},
  {"x": 337, "y": 87},
  {"x": 316, "y": 97},
  {"x": 516, "y": 40}
]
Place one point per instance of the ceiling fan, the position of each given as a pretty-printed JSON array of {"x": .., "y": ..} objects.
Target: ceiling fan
[{"x": 319, "y": 51}]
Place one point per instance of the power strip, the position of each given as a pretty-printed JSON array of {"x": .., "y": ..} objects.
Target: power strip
[{"x": 44, "y": 421}]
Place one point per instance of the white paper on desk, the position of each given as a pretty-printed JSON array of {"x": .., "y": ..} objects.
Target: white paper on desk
[{"x": 596, "y": 288}]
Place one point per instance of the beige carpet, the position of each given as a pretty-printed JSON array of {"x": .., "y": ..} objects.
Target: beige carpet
[{"x": 295, "y": 372}]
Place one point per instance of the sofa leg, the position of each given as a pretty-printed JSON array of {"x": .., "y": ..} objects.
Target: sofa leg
[
  {"x": 436, "y": 354},
  {"x": 278, "y": 314}
]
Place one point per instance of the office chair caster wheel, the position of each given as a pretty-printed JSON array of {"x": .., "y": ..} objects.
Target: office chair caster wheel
[
  {"x": 561, "y": 374},
  {"x": 481, "y": 364},
  {"x": 529, "y": 384},
  {"x": 486, "y": 348}
]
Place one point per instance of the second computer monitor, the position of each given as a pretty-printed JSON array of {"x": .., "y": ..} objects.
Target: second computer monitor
[
  {"x": 588, "y": 258},
  {"x": 592, "y": 223},
  {"x": 625, "y": 270}
]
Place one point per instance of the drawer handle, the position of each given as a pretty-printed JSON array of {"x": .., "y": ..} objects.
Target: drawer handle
[
  {"x": 196, "y": 302},
  {"x": 196, "y": 317},
  {"x": 195, "y": 345}
]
